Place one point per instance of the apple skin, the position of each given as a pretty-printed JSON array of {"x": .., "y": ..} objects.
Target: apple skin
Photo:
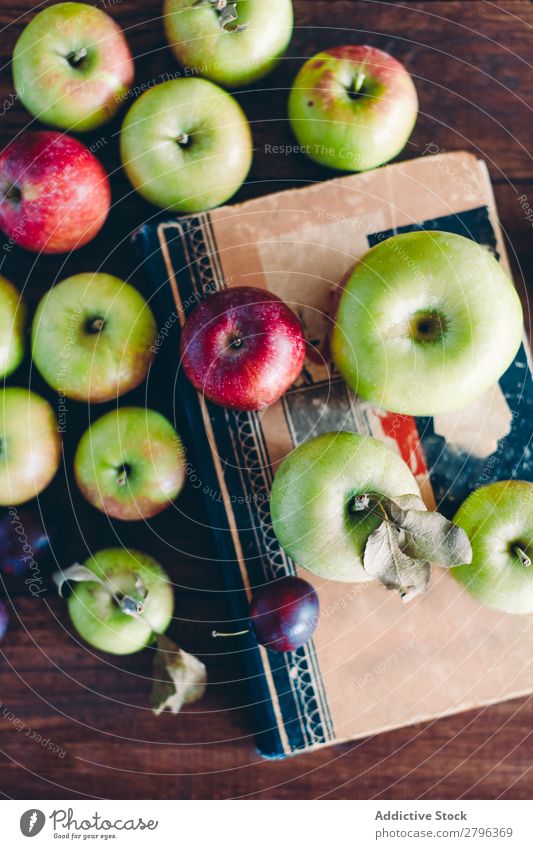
[
  {"x": 87, "y": 364},
  {"x": 311, "y": 496},
  {"x": 270, "y": 353},
  {"x": 346, "y": 130},
  {"x": 54, "y": 193},
  {"x": 497, "y": 518},
  {"x": 229, "y": 58},
  {"x": 30, "y": 445},
  {"x": 426, "y": 323},
  {"x": 198, "y": 175},
  {"x": 100, "y": 621},
  {"x": 144, "y": 443},
  {"x": 59, "y": 92},
  {"x": 13, "y": 315}
]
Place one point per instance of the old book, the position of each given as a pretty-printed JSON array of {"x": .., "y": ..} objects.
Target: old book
[{"x": 374, "y": 663}]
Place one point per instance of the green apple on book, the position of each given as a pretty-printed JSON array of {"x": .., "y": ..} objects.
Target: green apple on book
[
  {"x": 12, "y": 327},
  {"x": 231, "y": 43},
  {"x": 72, "y": 66},
  {"x": 30, "y": 445},
  {"x": 129, "y": 602},
  {"x": 93, "y": 337},
  {"x": 498, "y": 518},
  {"x": 130, "y": 463},
  {"x": 186, "y": 145},
  {"x": 353, "y": 107},
  {"x": 312, "y": 497},
  {"x": 426, "y": 322}
]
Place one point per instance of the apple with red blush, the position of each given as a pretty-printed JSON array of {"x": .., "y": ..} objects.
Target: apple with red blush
[
  {"x": 242, "y": 348},
  {"x": 54, "y": 193}
]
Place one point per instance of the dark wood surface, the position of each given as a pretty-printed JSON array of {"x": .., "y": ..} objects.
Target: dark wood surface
[{"x": 472, "y": 65}]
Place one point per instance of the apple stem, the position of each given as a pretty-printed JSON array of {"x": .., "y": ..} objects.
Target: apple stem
[
  {"x": 77, "y": 57},
  {"x": 183, "y": 139},
  {"x": 230, "y": 634},
  {"x": 359, "y": 81},
  {"x": 525, "y": 560},
  {"x": 122, "y": 477},
  {"x": 96, "y": 326}
]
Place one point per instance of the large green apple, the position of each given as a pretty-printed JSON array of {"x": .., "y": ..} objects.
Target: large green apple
[
  {"x": 72, "y": 66},
  {"x": 232, "y": 54},
  {"x": 352, "y": 107},
  {"x": 426, "y": 322},
  {"x": 96, "y": 612},
  {"x": 12, "y": 327},
  {"x": 93, "y": 337},
  {"x": 186, "y": 145},
  {"x": 30, "y": 445},
  {"x": 130, "y": 463},
  {"x": 313, "y": 495},
  {"x": 498, "y": 519}
]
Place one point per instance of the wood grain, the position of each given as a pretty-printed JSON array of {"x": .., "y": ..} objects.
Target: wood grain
[{"x": 471, "y": 62}]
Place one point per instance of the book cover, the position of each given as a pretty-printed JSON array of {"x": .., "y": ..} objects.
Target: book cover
[{"x": 374, "y": 664}]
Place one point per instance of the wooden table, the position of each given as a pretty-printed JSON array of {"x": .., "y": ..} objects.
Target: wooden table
[{"x": 471, "y": 60}]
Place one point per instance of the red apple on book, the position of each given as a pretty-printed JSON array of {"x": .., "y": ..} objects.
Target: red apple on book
[
  {"x": 353, "y": 107},
  {"x": 231, "y": 43},
  {"x": 186, "y": 145},
  {"x": 54, "y": 193},
  {"x": 30, "y": 445},
  {"x": 498, "y": 518},
  {"x": 72, "y": 66},
  {"x": 242, "y": 347},
  {"x": 130, "y": 463},
  {"x": 426, "y": 322}
]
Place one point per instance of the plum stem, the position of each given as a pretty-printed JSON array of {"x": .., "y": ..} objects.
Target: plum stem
[
  {"x": 525, "y": 560},
  {"x": 229, "y": 633}
]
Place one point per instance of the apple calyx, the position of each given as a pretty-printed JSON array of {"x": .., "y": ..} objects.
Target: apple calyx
[
  {"x": 519, "y": 552},
  {"x": 132, "y": 604},
  {"x": 227, "y": 14},
  {"x": 399, "y": 553}
]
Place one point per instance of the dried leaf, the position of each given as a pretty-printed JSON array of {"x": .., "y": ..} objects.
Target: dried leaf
[
  {"x": 78, "y": 573},
  {"x": 179, "y": 678},
  {"x": 385, "y": 560}
]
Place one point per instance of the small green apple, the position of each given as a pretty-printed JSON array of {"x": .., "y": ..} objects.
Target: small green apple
[
  {"x": 93, "y": 337},
  {"x": 12, "y": 327},
  {"x": 186, "y": 145},
  {"x": 352, "y": 107},
  {"x": 313, "y": 495},
  {"x": 30, "y": 445},
  {"x": 498, "y": 519},
  {"x": 130, "y": 463},
  {"x": 231, "y": 54},
  {"x": 72, "y": 66},
  {"x": 426, "y": 322},
  {"x": 95, "y": 609}
]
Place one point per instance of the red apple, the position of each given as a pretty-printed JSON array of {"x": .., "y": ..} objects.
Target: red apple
[
  {"x": 242, "y": 347},
  {"x": 54, "y": 193}
]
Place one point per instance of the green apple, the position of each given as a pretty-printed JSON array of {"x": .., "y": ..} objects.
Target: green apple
[
  {"x": 72, "y": 66},
  {"x": 313, "y": 495},
  {"x": 93, "y": 337},
  {"x": 426, "y": 322},
  {"x": 352, "y": 107},
  {"x": 232, "y": 53},
  {"x": 130, "y": 463},
  {"x": 30, "y": 445},
  {"x": 12, "y": 327},
  {"x": 95, "y": 609},
  {"x": 498, "y": 518},
  {"x": 186, "y": 145}
]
